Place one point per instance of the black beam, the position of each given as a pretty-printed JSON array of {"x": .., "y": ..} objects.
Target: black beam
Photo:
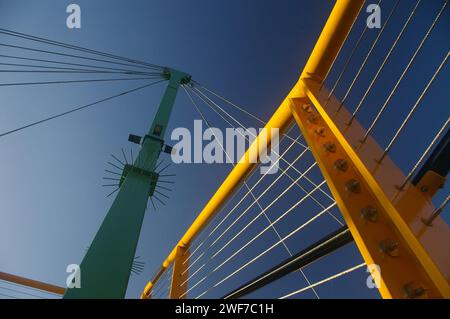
[{"x": 321, "y": 248}]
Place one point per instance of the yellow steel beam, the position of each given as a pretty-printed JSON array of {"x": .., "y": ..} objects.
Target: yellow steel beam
[
  {"x": 413, "y": 261},
  {"x": 31, "y": 283},
  {"x": 147, "y": 292},
  {"x": 431, "y": 183},
  {"x": 328, "y": 45}
]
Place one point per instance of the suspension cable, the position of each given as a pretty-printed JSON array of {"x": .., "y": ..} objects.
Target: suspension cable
[
  {"x": 306, "y": 256},
  {"x": 8, "y": 296},
  {"x": 77, "y": 109},
  {"x": 244, "y": 111},
  {"x": 383, "y": 64},
  {"x": 249, "y": 190},
  {"x": 369, "y": 53},
  {"x": 342, "y": 273},
  {"x": 413, "y": 109},
  {"x": 329, "y": 213},
  {"x": 437, "y": 212},
  {"x": 240, "y": 124},
  {"x": 156, "y": 289},
  {"x": 236, "y": 220},
  {"x": 408, "y": 66},
  {"x": 425, "y": 154},
  {"x": 210, "y": 245},
  {"x": 29, "y": 288},
  {"x": 69, "y": 72},
  {"x": 347, "y": 62},
  {"x": 77, "y": 81},
  {"x": 265, "y": 229},
  {"x": 46, "y": 67},
  {"x": 253, "y": 116},
  {"x": 21, "y": 292},
  {"x": 74, "y": 47},
  {"x": 264, "y": 252},
  {"x": 340, "y": 48},
  {"x": 67, "y": 63},
  {"x": 245, "y": 196},
  {"x": 251, "y": 222},
  {"x": 64, "y": 54}
]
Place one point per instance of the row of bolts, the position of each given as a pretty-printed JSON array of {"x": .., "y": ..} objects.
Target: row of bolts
[{"x": 388, "y": 246}]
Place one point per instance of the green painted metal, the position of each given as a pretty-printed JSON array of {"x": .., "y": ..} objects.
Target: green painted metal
[
  {"x": 106, "y": 268},
  {"x": 153, "y": 176}
]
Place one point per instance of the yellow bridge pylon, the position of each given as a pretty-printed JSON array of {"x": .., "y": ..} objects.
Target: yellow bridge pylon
[{"x": 384, "y": 211}]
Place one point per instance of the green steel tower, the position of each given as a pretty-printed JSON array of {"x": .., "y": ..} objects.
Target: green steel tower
[{"x": 106, "y": 267}]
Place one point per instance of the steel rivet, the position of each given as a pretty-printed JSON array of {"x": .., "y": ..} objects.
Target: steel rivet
[
  {"x": 424, "y": 189},
  {"x": 353, "y": 186},
  {"x": 330, "y": 147},
  {"x": 412, "y": 291},
  {"x": 341, "y": 165},
  {"x": 307, "y": 108},
  {"x": 320, "y": 131},
  {"x": 312, "y": 118},
  {"x": 369, "y": 213},
  {"x": 389, "y": 247}
]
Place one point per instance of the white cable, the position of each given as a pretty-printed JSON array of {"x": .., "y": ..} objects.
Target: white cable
[
  {"x": 240, "y": 124},
  {"x": 249, "y": 191},
  {"x": 245, "y": 111},
  {"x": 425, "y": 153},
  {"x": 383, "y": 64},
  {"x": 413, "y": 109},
  {"x": 251, "y": 222},
  {"x": 369, "y": 53},
  {"x": 268, "y": 249},
  {"x": 405, "y": 71},
  {"x": 226, "y": 230},
  {"x": 245, "y": 196},
  {"x": 324, "y": 280}
]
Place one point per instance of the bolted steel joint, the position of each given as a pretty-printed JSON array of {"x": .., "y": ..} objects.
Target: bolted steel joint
[
  {"x": 424, "y": 189},
  {"x": 320, "y": 131},
  {"x": 369, "y": 213},
  {"x": 312, "y": 118},
  {"x": 330, "y": 147},
  {"x": 353, "y": 186},
  {"x": 341, "y": 165},
  {"x": 307, "y": 108},
  {"x": 413, "y": 291},
  {"x": 389, "y": 247}
]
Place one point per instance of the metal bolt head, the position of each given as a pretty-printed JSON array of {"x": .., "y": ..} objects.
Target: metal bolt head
[
  {"x": 389, "y": 247},
  {"x": 307, "y": 108},
  {"x": 413, "y": 291},
  {"x": 424, "y": 189},
  {"x": 353, "y": 186},
  {"x": 312, "y": 118},
  {"x": 320, "y": 131},
  {"x": 341, "y": 165},
  {"x": 369, "y": 213},
  {"x": 330, "y": 147}
]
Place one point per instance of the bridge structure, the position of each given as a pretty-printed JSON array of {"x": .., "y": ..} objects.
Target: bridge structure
[{"x": 336, "y": 168}]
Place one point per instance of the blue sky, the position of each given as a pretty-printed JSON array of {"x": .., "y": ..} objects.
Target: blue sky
[{"x": 51, "y": 202}]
